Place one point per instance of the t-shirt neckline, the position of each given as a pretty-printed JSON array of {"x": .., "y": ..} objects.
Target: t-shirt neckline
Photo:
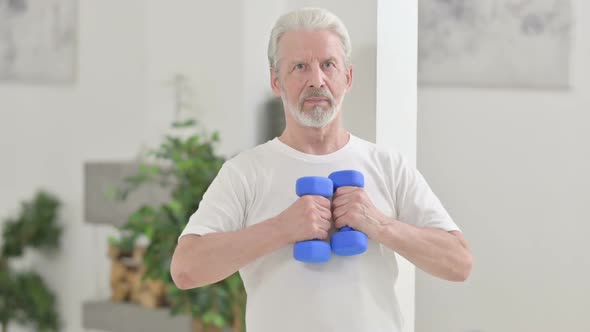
[{"x": 293, "y": 153}]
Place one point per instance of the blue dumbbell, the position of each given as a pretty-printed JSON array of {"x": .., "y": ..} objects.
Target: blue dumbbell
[
  {"x": 347, "y": 241},
  {"x": 313, "y": 251}
]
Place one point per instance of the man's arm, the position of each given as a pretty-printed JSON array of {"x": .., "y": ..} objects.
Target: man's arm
[
  {"x": 443, "y": 254},
  {"x": 440, "y": 253},
  {"x": 203, "y": 260}
]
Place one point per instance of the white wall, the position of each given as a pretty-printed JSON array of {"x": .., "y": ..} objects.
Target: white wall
[
  {"x": 47, "y": 132},
  {"x": 204, "y": 41},
  {"x": 512, "y": 167}
]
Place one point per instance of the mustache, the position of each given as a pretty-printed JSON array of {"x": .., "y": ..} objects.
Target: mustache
[{"x": 317, "y": 92}]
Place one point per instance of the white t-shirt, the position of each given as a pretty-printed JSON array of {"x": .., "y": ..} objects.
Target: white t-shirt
[{"x": 355, "y": 293}]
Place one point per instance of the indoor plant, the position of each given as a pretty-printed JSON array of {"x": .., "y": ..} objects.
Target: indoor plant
[
  {"x": 24, "y": 297},
  {"x": 187, "y": 163}
]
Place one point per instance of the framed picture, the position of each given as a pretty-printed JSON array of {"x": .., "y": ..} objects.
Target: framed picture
[
  {"x": 38, "y": 41},
  {"x": 495, "y": 43}
]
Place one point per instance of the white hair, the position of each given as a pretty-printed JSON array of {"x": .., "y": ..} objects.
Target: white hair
[{"x": 309, "y": 19}]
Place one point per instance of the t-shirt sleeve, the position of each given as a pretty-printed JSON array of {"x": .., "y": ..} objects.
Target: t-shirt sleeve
[
  {"x": 415, "y": 202},
  {"x": 223, "y": 206}
]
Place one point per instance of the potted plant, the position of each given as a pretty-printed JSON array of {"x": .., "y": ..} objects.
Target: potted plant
[
  {"x": 187, "y": 164},
  {"x": 24, "y": 297}
]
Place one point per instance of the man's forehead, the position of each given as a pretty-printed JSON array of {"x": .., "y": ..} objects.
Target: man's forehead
[
  {"x": 306, "y": 37},
  {"x": 310, "y": 58},
  {"x": 302, "y": 45}
]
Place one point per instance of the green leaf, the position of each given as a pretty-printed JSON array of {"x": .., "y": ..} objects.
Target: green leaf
[
  {"x": 184, "y": 124},
  {"x": 36, "y": 226}
]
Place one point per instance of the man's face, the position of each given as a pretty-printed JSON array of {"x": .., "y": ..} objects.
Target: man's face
[{"x": 313, "y": 77}]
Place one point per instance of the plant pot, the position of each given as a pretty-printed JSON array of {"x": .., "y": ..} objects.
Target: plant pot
[{"x": 198, "y": 327}]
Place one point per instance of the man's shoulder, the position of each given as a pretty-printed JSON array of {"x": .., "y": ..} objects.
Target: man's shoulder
[
  {"x": 251, "y": 156},
  {"x": 378, "y": 152}
]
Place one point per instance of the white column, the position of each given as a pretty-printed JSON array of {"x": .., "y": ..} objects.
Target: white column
[{"x": 397, "y": 37}]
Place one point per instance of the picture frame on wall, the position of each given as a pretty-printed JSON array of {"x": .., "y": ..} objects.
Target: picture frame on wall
[
  {"x": 495, "y": 43},
  {"x": 38, "y": 41}
]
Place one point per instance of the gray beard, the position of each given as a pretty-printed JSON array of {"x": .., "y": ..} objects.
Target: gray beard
[{"x": 317, "y": 117}]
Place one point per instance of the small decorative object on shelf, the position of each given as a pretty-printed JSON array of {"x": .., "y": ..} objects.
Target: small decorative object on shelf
[{"x": 128, "y": 282}]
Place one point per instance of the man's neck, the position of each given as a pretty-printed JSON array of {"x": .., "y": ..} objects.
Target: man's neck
[{"x": 316, "y": 141}]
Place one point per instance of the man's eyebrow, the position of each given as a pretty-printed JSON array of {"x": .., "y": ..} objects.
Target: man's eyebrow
[
  {"x": 292, "y": 62},
  {"x": 331, "y": 59}
]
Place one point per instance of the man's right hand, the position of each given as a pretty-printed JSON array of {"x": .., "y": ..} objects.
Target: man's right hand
[{"x": 310, "y": 217}]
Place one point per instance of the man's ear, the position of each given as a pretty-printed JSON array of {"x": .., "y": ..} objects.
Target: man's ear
[
  {"x": 349, "y": 78},
  {"x": 274, "y": 82}
]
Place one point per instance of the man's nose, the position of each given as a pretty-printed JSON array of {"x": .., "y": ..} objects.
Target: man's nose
[{"x": 317, "y": 79}]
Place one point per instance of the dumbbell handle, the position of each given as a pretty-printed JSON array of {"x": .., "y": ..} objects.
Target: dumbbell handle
[
  {"x": 347, "y": 178},
  {"x": 313, "y": 251},
  {"x": 347, "y": 241}
]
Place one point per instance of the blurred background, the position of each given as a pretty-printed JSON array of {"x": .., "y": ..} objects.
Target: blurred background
[{"x": 490, "y": 98}]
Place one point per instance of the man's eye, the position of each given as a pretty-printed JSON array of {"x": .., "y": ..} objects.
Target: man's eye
[
  {"x": 299, "y": 66},
  {"x": 329, "y": 64}
]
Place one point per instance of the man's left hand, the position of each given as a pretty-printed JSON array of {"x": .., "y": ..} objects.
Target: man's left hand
[{"x": 352, "y": 207}]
